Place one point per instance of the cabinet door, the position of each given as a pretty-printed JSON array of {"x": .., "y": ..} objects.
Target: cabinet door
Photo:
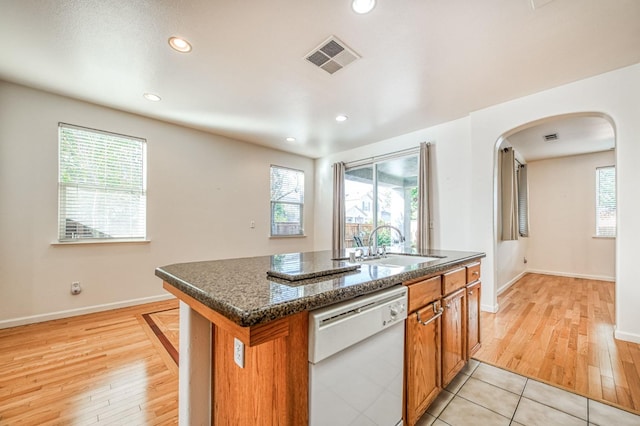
[
  {"x": 423, "y": 383},
  {"x": 473, "y": 318},
  {"x": 454, "y": 337}
]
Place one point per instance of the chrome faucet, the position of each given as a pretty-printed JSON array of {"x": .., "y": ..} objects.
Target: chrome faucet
[{"x": 376, "y": 230}]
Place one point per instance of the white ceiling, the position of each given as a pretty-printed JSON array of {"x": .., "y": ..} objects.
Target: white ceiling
[
  {"x": 577, "y": 134},
  {"x": 423, "y": 62}
]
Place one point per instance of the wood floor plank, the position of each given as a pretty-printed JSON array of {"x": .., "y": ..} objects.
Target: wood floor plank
[
  {"x": 560, "y": 330},
  {"x": 101, "y": 368}
]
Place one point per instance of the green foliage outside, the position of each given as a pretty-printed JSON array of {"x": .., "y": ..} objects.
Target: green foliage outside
[
  {"x": 100, "y": 161},
  {"x": 279, "y": 213}
]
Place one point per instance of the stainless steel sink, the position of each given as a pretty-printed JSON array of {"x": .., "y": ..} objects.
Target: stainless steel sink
[{"x": 400, "y": 260}]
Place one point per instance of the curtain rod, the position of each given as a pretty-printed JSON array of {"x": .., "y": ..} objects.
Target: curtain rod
[{"x": 378, "y": 158}]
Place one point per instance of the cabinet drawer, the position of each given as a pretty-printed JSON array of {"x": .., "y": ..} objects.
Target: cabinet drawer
[
  {"x": 424, "y": 292},
  {"x": 473, "y": 272},
  {"x": 452, "y": 281}
]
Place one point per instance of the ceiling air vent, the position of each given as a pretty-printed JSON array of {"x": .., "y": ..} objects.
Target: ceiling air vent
[
  {"x": 551, "y": 137},
  {"x": 332, "y": 55}
]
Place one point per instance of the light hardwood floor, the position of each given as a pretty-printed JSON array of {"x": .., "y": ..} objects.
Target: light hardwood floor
[
  {"x": 560, "y": 330},
  {"x": 103, "y": 368}
]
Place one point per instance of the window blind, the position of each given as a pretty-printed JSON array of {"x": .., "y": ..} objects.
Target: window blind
[
  {"x": 606, "y": 201},
  {"x": 101, "y": 185},
  {"x": 523, "y": 200},
  {"x": 287, "y": 201}
]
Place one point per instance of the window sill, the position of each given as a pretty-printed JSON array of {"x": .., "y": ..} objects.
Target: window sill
[
  {"x": 601, "y": 237},
  {"x": 93, "y": 242},
  {"x": 276, "y": 237}
]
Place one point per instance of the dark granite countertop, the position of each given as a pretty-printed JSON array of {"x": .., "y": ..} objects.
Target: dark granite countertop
[{"x": 240, "y": 289}]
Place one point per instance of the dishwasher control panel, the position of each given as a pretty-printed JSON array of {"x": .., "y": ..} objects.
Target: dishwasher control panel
[
  {"x": 396, "y": 311},
  {"x": 336, "y": 327}
]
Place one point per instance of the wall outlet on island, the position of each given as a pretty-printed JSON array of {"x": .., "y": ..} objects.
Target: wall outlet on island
[
  {"x": 75, "y": 288},
  {"x": 238, "y": 352}
]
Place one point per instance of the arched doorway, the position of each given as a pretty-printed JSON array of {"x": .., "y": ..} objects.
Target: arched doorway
[{"x": 564, "y": 155}]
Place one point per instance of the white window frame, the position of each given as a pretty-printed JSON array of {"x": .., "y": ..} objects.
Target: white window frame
[
  {"x": 275, "y": 202},
  {"x": 599, "y": 228},
  {"x": 90, "y": 232}
]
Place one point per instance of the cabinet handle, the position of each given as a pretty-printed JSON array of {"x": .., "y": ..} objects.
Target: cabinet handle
[
  {"x": 476, "y": 273},
  {"x": 470, "y": 292},
  {"x": 435, "y": 317},
  {"x": 448, "y": 305}
]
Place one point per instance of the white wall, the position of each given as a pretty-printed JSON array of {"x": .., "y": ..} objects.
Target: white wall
[
  {"x": 203, "y": 191},
  {"x": 562, "y": 218},
  {"x": 510, "y": 257},
  {"x": 469, "y": 176}
]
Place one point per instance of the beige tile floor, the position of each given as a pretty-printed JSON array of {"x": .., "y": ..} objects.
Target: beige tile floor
[{"x": 485, "y": 395}]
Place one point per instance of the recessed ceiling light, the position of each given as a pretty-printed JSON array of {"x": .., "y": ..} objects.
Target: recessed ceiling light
[
  {"x": 180, "y": 44},
  {"x": 341, "y": 118},
  {"x": 290, "y": 139},
  {"x": 152, "y": 97},
  {"x": 363, "y": 6}
]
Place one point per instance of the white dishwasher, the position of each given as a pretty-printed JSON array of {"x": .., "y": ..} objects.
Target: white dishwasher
[{"x": 356, "y": 359}]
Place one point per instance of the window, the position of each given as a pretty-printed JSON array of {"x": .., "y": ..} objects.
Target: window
[
  {"x": 523, "y": 200},
  {"x": 606, "y": 201},
  {"x": 101, "y": 185},
  {"x": 383, "y": 192},
  {"x": 287, "y": 201}
]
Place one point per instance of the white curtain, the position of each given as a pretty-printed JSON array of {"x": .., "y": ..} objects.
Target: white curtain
[
  {"x": 508, "y": 195},
  {"x": 425, "y": 225},
  {"x": 338, "y": 207}
]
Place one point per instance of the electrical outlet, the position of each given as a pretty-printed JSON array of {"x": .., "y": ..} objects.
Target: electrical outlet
[
  {"x": 75, "y": 288},
  {"x": 252, "y": 225},
  {"x": 238, "y": 352},
  {"x": 525, "y": 260}
]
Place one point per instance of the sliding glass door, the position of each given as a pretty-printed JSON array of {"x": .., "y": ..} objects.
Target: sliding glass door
[{"x": 382, "y": 193}]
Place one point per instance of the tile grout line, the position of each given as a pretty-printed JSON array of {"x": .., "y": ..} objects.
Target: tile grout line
[
  {"x": 481, "y": 406},
  {"x": 469, "y": 376},
  {"x": 513, "y": 416},
  {"x": 454, "y": 395}
]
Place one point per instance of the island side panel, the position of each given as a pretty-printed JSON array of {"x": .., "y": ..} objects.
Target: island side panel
[
  {"x": 194, "y": 404},
  {"x": 272, "y": 388}
]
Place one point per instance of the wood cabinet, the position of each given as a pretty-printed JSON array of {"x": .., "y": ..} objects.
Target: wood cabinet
[
  {"x": 454, "y": 280},
  {"x": 473, "y": 308},
  {"x": 442, "y": 332},
  {"x": 473, "y": 318},
  {"x": 454, "y": 339},
  {"x": 272, "y": 386},
  {"x": 422, "y": 355},
  {"x": 424, "y": 291}
]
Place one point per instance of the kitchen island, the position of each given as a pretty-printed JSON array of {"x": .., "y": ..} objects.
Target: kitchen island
[{"x": 243, "y": 333}]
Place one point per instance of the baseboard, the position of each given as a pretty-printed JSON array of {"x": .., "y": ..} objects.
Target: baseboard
[
  {"x": 572, "y": 275},
  {"x": 512, "y": 282},
  {"x": 627, "y": 337},
  {"x": 489, "y": 308},
  {"x": 14, "y": 322}
]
